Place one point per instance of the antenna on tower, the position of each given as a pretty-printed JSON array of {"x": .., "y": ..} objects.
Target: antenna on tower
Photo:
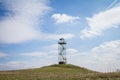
[{"x": 62, "y": 51}]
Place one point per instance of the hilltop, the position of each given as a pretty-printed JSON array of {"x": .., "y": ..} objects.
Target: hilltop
[{"x": 57, "y": 72}]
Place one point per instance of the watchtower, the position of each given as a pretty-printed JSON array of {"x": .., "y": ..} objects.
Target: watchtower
[{"x": 62, "y": 51}]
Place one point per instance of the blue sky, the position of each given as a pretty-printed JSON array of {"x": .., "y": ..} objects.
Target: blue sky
[{"x": 30, "y": 29}]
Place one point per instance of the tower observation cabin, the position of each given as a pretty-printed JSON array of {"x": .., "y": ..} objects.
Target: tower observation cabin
[{"x": 62, "y": 51}]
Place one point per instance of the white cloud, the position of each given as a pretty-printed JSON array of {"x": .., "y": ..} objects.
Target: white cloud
[
  {"x": 22, "y": 20},
  {"x": 53, "y": 47},
  {"x": 3, "y": 54},
  {"x": 72, "y": 52},
  {"x": 100, "y": 22},
  {"x": 37, "y": 63},
  {"x": 103, "y": 58},
  {"x": 14, "y": 65},
  {"x": 57, "y": 36},
  {"x": 29, "y": 60},
  {"x": 107, "y": 55},
  {"x": 64, "y": 18},
  {"x": 11, "y": 65},
  {"x": 35, "y": 54}
]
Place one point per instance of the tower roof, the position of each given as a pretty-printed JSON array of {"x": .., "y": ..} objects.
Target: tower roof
[{"x": 61, "y": 41}]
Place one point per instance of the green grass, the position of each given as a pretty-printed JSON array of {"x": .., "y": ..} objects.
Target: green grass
[{"x": 58, "y": 72}]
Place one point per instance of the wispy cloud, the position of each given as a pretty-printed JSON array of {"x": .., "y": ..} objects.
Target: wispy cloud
[
  {"x": 23, "y": 18},
  {"x": 3, "y": 54},
  {"x": 112, "y": 4},
  {"x": 27, "y": 64},
  {"x": 100, "y": 22},
  {"x": 12, "y": 65},
  {"x": 57, "y": 36},
  {"x": 72, "y": 52},
  {"x": 64, "y": 18},
  {"x": 34, "y": 54}
]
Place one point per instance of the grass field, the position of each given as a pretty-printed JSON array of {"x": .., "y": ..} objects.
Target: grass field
[{"x": 58, "y": 72}]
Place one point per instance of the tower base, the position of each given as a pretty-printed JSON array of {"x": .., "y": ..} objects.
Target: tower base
[{"x": 62, "y": 62}]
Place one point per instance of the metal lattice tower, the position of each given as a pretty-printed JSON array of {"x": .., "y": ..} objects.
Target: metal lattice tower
[{"x": 62, "y": 51}]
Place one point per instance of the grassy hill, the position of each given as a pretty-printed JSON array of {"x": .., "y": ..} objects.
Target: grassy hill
[{"x": 58, "y": 72}]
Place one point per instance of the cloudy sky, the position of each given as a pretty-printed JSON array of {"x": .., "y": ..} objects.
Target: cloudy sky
[{"x": 30, "y": 29}]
